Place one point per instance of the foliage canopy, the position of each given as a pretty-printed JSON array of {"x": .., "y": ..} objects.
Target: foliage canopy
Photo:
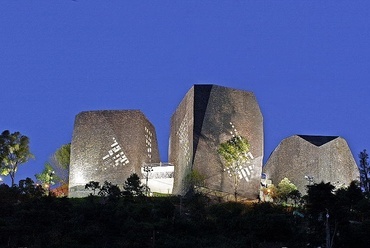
[
  {"x": 285, "y": 188},
  {"x": 14, "y": 151},
  {"x": 235, "y": 153},
  {"x": 234, "y": 150},
  {"x": 47, "y": 176},
  {"x": 63, "y": 156}
]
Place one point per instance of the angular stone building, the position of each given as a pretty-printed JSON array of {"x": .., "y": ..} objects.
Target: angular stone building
[
  {"x": 305, "y": 160},
  {"x": 110, "y": 146},
  {"x": 207, "y": 116}
]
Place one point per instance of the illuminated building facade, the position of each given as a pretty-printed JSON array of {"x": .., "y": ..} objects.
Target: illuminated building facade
[
  {"x": 110, "y": 146},
  {"x": 207, "y": 116},
  {"x": 307, "y": 159}
]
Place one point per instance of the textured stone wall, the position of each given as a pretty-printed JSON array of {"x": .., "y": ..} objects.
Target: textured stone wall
[
  {"x": 207, "y": 116},
  {"x": 181, "y": 142},
  {"x": 110, "y": 146},
  {"x": 325, "y": 158}
]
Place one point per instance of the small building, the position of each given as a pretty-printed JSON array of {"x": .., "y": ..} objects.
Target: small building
[{"x": 159, "y": 177}]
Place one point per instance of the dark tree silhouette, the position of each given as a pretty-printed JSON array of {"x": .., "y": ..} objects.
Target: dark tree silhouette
[
  {"x": 93, "y": 186},
  {"x": 28, "y": 188},
  {"x": 364, "y": 168},
  {"x": 110, "y": 190},
  {"x": 133, "y": 186}
]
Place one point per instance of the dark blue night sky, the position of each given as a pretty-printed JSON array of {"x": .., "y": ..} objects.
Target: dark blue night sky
[{"x": 308, "y": 63}]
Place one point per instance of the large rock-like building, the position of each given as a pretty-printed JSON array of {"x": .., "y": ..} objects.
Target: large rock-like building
[
  {"x": 305, "y": 159},
  {"x": 110, "y": 146},
  {"x": 207, "y": 116}
]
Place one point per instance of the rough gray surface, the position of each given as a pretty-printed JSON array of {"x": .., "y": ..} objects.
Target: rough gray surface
[
  {"x": 206, "y": 117},
  {"x": 110, "y": 146},
  {"x": 325, "y": 158}
]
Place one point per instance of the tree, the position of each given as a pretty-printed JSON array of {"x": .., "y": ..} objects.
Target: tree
[
  {"x": 321, "y": 205},
  {"x": 295, "y": 196},
  {"x": 354, "y": 194},
  {"x": 109, "y": 190},
  {"x": 195, "y": 178},
  {"x": 349, "y": 200},
  {"x": 284, "y": 188},
  {"x": 235, "y": 153},
  {"x": 28, "y": 188},
  {"x": 133, "y": 186},
  {"x": 270, "y": 192},
  {"x": 47, "y": 177},
  {"x": 93, "y": 186},
  {"x": 14, "y": 151},
  {"x": 364, "y": 168},
  {"x": 63, "y": 156},
  {"x": 320, "y": 197},
  {"x": 60, "y": 162}
]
